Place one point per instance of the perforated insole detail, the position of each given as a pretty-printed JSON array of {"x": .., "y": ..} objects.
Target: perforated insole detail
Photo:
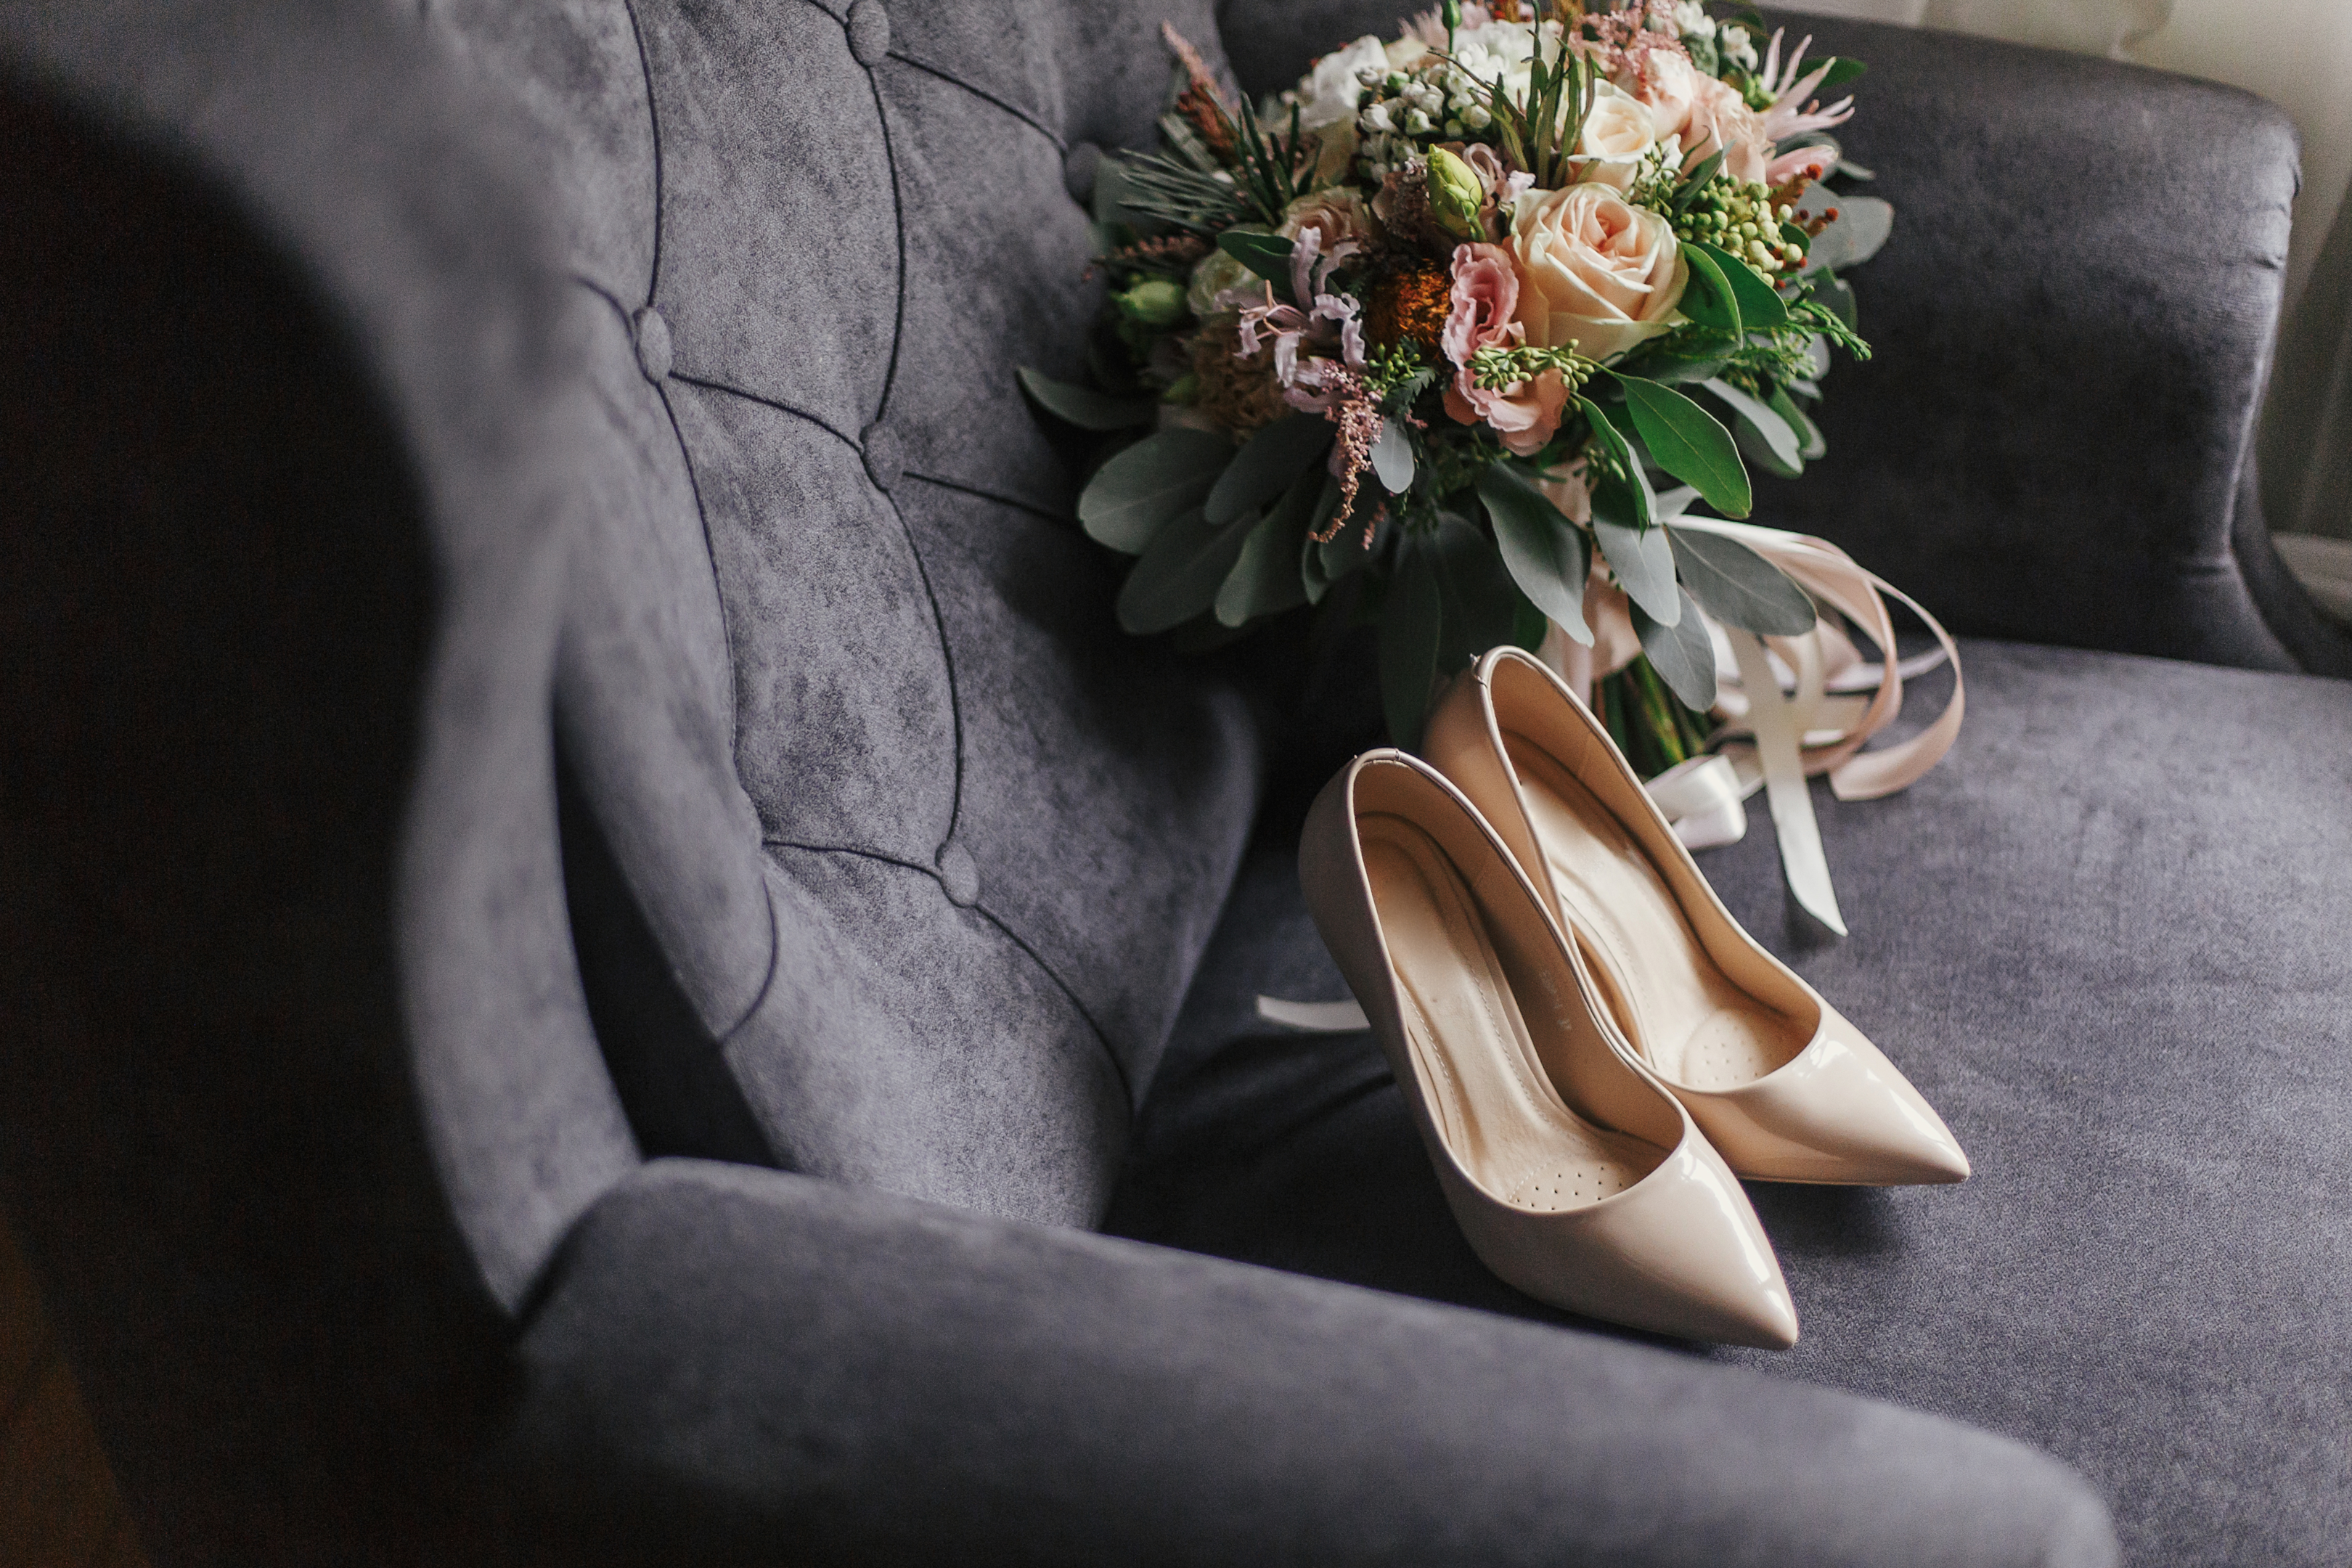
[
  {"x": 1686, "y": 1018},
  {"x": 1489, "y": 1094}
]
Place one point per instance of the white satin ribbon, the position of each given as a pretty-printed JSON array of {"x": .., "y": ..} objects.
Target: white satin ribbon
[
  {"x": 1807, "y": 704},
  {"x": 1801, "y": 703}
]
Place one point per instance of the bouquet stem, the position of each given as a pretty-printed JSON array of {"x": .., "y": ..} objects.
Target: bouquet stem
[{"x": 1650, "y": 725}]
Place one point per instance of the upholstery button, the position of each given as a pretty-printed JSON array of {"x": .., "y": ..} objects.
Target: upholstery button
[
  {"x": 959, "y": 878},
  {"x": 653, "y": 348},
  {"x": 869, "y": 32},
  {"x": 1078, "y": 167},
  {"x": 884, "y": 455}
]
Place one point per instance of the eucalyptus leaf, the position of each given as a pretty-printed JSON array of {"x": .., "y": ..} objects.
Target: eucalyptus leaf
[
  {"x": 1673, "y": 503},
  {"x": 1810, "y": 443},
  {"x": 1759, "y": 307},
  {"x": 1267, "y": 255},
  {"x": 1132, "y": 495},
  {"x": 1737, "y": 586},
  {"x": 1409, "y": 628},
  {"x": 1084, "y": 407},
  {"x": 1681, "y": 652},
  {"x": 1477, "y": 603},
  {"x": 1843, "y": 69},
  {"x": 1643, "y": 561},
  {"x": 1179, "y": 577},
  {"x": 1689, "y": 443},
  {"x": 1545, "y": 554},
  {"x": 1275, "y": 454},
  {"x": 1393, "y": 457},
  {"x": 1759, "y": 451},
  {"x": 1708, "y": 299},
  {"x": 1854, "y": 236},
  {"x": 1605, "y": 430},
  {"x": 1778, "y": 436},
  {"x": 1265, "y": 577}
]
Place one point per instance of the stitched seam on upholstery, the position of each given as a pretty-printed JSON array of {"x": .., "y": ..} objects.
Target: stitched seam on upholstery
[
  {"x": 603, "y": 293},
  {"x": 946, "y": 658},
  {"x": 1125, "y": 1085},
  {"x": 653, "y": 123},
  {"x": 710, "y": 551},
  {"x": 889, "y": 380},
  {"x": 1119, "y": 1068},
  {"x": 1031, "y": 508},
  {"x": 767, "y": 981},
  {"x": 899, "y": 223},
  {"x": 986, "y": 96},
  {"x": 709, "y": 384},
  {"x": 701, "y": 512}
]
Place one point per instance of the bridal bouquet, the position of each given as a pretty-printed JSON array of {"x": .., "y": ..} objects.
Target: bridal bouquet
[{"x": 1451, "y": 336}]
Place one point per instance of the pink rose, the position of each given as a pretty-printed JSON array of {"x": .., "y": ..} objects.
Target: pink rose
[
  {"x": 1485, "y": 300},
  {"x": 1719, "y": 117}
]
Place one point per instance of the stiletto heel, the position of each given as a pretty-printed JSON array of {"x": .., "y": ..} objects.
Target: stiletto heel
[
  {"x": 1782, "y": 1085},
  {"x": 1571, "y": 1170}
]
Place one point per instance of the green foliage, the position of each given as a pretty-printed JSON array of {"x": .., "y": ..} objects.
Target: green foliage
[
  {"x": 1680, "y": 651},
  {"x": 1545, "y": 554},
  {"x": 1275, "y": 456},
  {"x": 1737, "y": 586},
  {"x": 1083, "y": 405},
  {"x": 1530, "y": 131},
  {"x": 1267, "y": 255},
  {"x": 1134, "y": 495},
  {"x": 1690, "y": 444}
]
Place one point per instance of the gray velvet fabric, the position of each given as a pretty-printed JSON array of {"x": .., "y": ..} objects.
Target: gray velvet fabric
[
  {"x": 2073, "y": 324},
  {"x": 723, "y": 1349},
  {"x": 2106, "y": 938},
  {"x": 538, "y": 630},
  {"x": 830, "y": 635}
]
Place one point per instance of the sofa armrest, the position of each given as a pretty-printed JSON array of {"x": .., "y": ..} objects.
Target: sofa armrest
[
  {"x": 734, "y": 1365},
  {"x": 2073, "y": 324}
]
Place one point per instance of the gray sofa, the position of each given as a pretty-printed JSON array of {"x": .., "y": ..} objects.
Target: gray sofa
[{"x": 606, "y": 956}]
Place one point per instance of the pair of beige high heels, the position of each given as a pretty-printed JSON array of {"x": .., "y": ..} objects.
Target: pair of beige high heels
[{"x": 1593, "y": 1049}]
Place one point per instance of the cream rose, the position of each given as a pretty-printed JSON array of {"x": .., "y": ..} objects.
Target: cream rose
[
  {"x": 1665, "y": 87},
  {"x": 1617, "y": 134},
  {"x": 1594, "y": 269}
]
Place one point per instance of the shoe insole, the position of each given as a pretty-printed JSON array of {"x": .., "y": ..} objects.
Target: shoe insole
[
  {"x": 1488, "y": 1092},
  {"x": 1689, "y": 1020}
]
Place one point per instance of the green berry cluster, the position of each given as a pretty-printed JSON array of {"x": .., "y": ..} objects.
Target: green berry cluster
[
  {"x": 1498, "y": 367},
  {"x": 1740, "y": 217}
]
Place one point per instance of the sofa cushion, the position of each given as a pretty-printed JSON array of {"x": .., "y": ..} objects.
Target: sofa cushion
[
  {"x": 2107, "y": 938},
  {"x": 860, "y": 768}
]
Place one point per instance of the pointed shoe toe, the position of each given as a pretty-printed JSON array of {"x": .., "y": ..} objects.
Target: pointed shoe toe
[
  {"x": 1785, "y": 1088},
  {"x": 1574, "y": 1174}
]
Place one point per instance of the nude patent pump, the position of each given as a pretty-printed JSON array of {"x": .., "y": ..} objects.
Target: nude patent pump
[
  {"x": 1783, "y": 1086},
  {"x": 1572, "y": 1171}
]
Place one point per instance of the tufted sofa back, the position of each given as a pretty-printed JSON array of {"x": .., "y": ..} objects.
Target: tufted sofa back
[{"x": 889, "y": 858}]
